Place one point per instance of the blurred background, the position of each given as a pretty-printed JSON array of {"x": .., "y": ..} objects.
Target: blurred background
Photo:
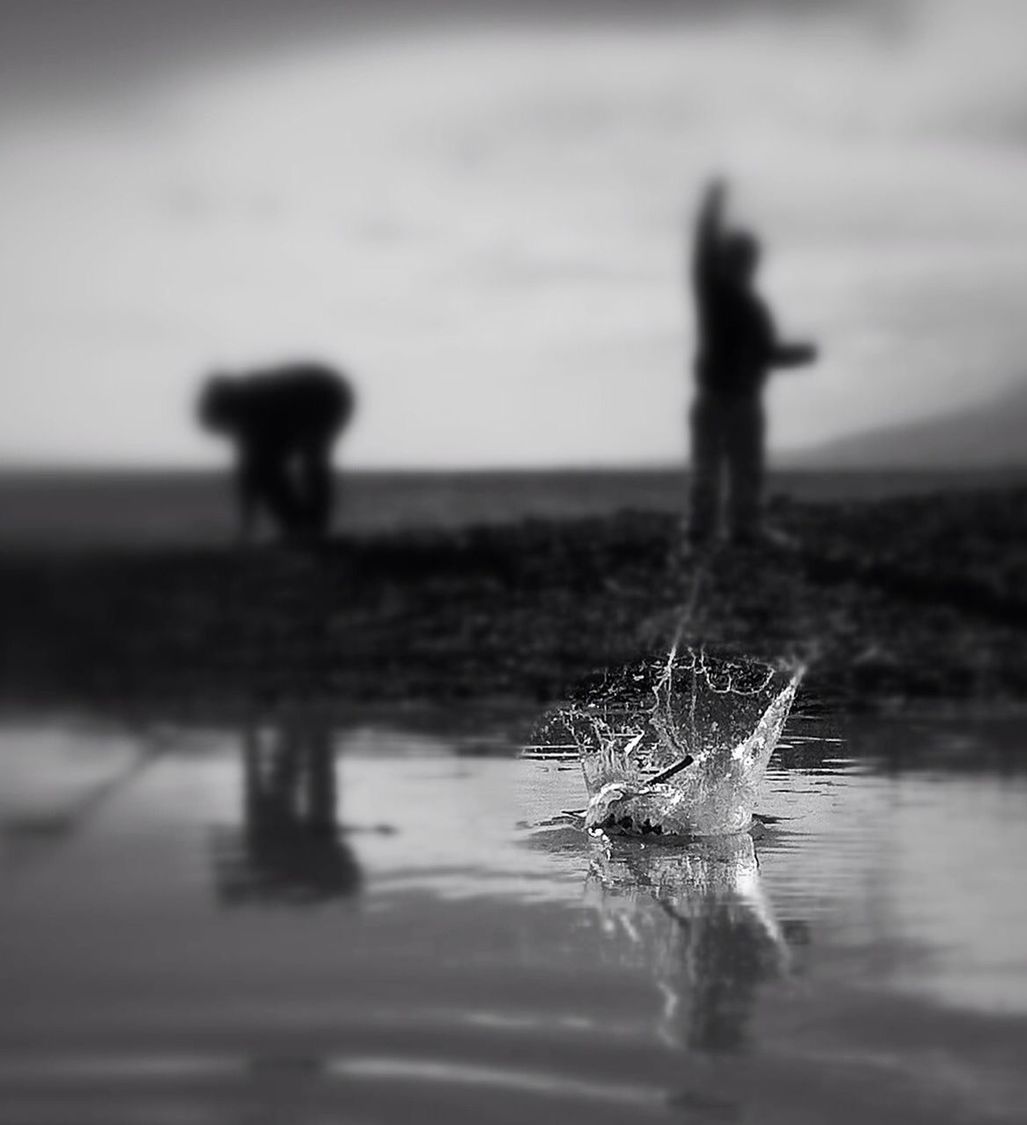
[{"x": 480, "y": 210}]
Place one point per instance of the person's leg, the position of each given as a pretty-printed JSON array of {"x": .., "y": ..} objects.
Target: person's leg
[
  {"x": 707, "y": 450},
  {"x": 316, "y": 483},
  {"x": 745, "y": 454},
  {"x": 276, "y": 489}
]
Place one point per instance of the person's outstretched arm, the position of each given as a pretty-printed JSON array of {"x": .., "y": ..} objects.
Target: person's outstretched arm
[
  {"x": 793, "y": 355},
  {"x": 709, "y": 230},
  {"x": 779, "y": 353}
]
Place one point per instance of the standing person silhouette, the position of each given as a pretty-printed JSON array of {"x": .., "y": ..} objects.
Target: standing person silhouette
[{"x": 737, "y": 348}]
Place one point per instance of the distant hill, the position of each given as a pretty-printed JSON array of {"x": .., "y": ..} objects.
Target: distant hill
[{"x": 992, "y": 435}]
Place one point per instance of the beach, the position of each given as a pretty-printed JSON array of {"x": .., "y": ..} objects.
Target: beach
[{"x": 280, "y": 841}]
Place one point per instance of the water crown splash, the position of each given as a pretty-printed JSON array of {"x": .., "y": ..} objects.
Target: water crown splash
[{"x": 679, "y": 748}]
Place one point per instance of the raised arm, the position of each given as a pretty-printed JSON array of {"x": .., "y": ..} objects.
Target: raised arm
[{"x": 709, "y": 230}]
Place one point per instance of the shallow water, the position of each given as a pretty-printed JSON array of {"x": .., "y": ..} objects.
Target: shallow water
[{"x": 299, "y": 925}]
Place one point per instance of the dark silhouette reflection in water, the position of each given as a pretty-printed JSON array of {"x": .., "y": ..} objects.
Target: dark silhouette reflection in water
[
  {"x": 699, "y": 918},
  {"x": 290, "y": 847}
]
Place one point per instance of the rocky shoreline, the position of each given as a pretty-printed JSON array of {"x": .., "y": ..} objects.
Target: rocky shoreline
[{"x": 914, "y": 601}]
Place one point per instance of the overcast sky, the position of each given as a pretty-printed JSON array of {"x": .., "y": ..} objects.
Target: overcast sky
[{"x": 482, "y": 216}]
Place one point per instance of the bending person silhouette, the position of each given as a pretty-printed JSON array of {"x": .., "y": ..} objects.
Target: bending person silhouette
[
  {"x": 737, "y": 349},
  {"x": 284, "y": 423}
]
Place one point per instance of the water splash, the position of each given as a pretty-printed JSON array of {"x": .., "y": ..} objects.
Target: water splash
[{"x": 679, "y": 747}]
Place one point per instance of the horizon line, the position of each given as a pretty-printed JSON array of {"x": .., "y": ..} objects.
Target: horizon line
[{"x": 791, "y": 463}]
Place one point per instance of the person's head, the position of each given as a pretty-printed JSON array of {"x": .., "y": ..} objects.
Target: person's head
[
  {"x": 741, "y": 257},
  {"x": 218, "y": 405}
]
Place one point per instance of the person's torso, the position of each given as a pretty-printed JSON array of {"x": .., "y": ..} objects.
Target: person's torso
[
  {"x": 290, "y": 406},
  {"x": 734, "y": 342}
]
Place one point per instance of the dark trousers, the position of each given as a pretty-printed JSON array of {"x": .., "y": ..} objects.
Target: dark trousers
[
  {"x": 296, "y": 489},
  {"x": 727, "y": 439}
]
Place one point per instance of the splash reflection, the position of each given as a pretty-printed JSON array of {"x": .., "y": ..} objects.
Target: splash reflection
[{"x": 699, "y": 919}]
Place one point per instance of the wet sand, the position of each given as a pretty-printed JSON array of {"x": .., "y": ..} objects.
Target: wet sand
[{"x": 911, "y": 601}]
